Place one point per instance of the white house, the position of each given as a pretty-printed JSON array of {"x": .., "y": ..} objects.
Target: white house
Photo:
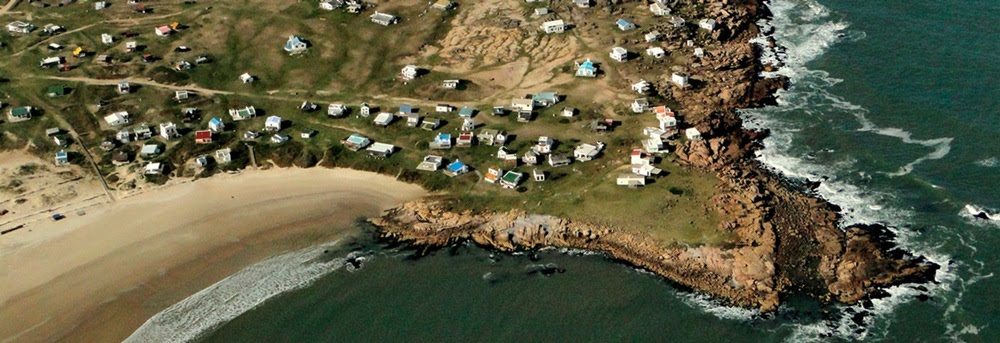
[
  {"x": 442, "y": 108},
  {"x": 640, "y": 105},
  {"x": 153, "y": 168},
  {"x": 117, "y": 118},
  {"x": 707, "y": 24},
  {"x": 699, "y": 52},
  {"x": 656, "y": 52},
  {"x": 246, "y": 78},
  {"x": 586, "y": 69},
  {"x": 380, "y": 149},
  {"x": 679, "y": 79},
  {"x": 295, "y": 45},
  {"x": 168, "y": 130},
  {"x": 619, "y": 54},
  {"x": 163, "y": 31},
  {"x": 272, "y": 123},
  {"x": 568, "y": 112},
  {"x": 384, "y": 119},
  {"x": 645, "y": 169},
  {"x": 410, "y": 72},
  {"x": 384, "y": 19},
  {"x": 653, "y": 145},
  {"x": 692, "y": 134},
  {"x": 522, "y": 105},
  {"x": 124, "y": 87},
  {"x": 652, "y": 36},
  {"x": 223, "y": 156},
  {"x": 20, "y": 27},
  {"x": 631, "y": 180},
  {"x": 586, "y": 152},
  {"x": 431, "y": 163},
  {"x": 676, "y": 21},
  {"x": 659, "y": 9},
  {"x": 641, "y": 87},
  {"x": 450, "y": 84},
  {"x": 544, "y": 145},
  {"x": 107, "y": 39},
  {"x": 336, "y": 110},
  {"x": 554, "y": 26}
]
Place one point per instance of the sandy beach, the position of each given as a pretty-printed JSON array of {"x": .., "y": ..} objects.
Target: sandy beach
[{"x": 97, "y": 277}]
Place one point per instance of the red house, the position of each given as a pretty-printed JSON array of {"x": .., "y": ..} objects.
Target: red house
[{"x": 203, "y": 137}]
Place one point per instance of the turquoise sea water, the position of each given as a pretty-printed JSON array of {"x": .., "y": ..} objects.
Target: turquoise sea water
[{"x": 894, "y": 108}]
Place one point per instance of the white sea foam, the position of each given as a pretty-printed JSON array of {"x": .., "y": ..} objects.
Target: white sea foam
[
  {"x": 225, "y": 300},
  {"x": 988, "y": 162},
  {"x": 972, "y": 212},
  {"x": 941, "y": 146},
  {"x": 717, "y": 308}
]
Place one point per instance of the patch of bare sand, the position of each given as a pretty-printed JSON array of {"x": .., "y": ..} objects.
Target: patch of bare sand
[{"x": 105, "y": 273}]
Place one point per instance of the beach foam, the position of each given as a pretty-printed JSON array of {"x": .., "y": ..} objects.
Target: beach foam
[
  {"x": 988, "y": 162},
  {"x": 241, "y": 292}
]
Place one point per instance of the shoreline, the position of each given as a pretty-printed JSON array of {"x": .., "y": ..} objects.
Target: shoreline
[{"x": 102, "y": 278}]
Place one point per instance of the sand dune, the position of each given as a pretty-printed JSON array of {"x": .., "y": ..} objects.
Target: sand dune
[{"x": 97, "y": 277}]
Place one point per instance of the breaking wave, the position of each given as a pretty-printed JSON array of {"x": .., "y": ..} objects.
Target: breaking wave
[
  {"x": 225, "y": 300},
  {"x": 988, "y": 162}
]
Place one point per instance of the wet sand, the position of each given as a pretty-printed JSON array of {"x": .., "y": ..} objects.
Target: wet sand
[{"x": 98, "y": 277}]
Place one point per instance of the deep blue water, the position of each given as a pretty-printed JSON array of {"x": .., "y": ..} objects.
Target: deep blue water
[{"x": 894, "y": 107}]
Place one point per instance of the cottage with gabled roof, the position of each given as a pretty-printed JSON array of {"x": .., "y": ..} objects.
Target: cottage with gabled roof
[
  {"x": 280, "y": 138},
  {"x": 295, "y": 45},
  {"x": 223, "y": 156},
  {"x": 117, "y": 119},
  {"x": 163, "y": 31},
  {"x": 149, "y": 150},
  {"x": 659, "y": 9},
  {"x": 356, "y": 142},
  {"x": 559, "y": 160},
  {"x": 625, "y": 24},
  {"x": 384, "y": 119},
  {"x": 272, "y": 123},
  {"x": 430, "y": 124},
  {"x": 153, "y": 168},
  {"x": 203, "y": 136},
  {"x": 62, "y": 158},
  {"x": 640, "y": 105},
  {"x": 384, "y": 19},
  {"x": 466, "y": 112},
  {"x": 243, "y": 113},
  {"x": 522, "y": 105},
  {"x": 20, "y": 27},
  {"x": 545, "y": 99},
  {"x": 336, "y": 110},
  {"x": 380, "y": 150},
  {"x": 586, "y": 152}
]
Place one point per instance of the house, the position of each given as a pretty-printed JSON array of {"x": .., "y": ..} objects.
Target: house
[
  {"x": 364, "y": 110},
  {"x": 656, "y": 52},
  {"x": 442, "y": 108},
  {"x": 202, "y": 161},
  {"x": 246, "y": 78},
  {"x": 107, "y": 39},
  {"x": 493, "y": 174},
  {"x": 153, "y": 168},
  {"x": 203, "y": 136},
  {"x": 511, "y": 179},
  {"x": 625, "y": 24},
  {"x": 279, "y": 138},
  {"x": 654, "y": 145},
  {"x": 586, "y": 152},
  {"x": 530, "y": 157},
  {"x": 295, "y": 45},
  {"x": 559, "y": 160},
  {"x": 203, "y": 59},
  {"x": 163, "y": 31},
  {"x": 384, "y": 119},
  {"x": 100, "y": 5},
  {"x": 56, "y": 91},
  {"x": 586, "y": 68},
  {"x": 707, "y": 24},
  {"x": 149, "y": 150},
  {"x": 356, "y": 142},
  {"x": 142, "y": 132},
  {"x": 619, "y": 54},
  {"x": 466, "y": 112},
  {"x": 441, "y": 141},
  {"x": 641, "y": 87},
  {"x": 456, "y": 168},
  {"x": 380, "y": 150},
  {"x": 250, "y": 135},
  {"x": 522, "y": 105},
  {"x": 498, "y": 111},
  {"x": 679, "y": 79},
  {"x": 450, "y": 84},
  {"x": 383, "y": 19},
  {"x": 242, "y": 113},
  {"x": 554, "y": 26},
  {"x": 631, "y": 180},
  {"x": 330, "y": 5},
  {"x": 568, "y": 112},
  {"x": 120, "y": 158},
  {"x": 468, "y": 124},
  {"x": 131, "y": 46},
  {"x": 645, "y": 169},
  {"x": 62, "y": 158},
  {"x": 539, "y": 176},
  {"x": 51, "y": 62},
  {"x": 640, "y": 105},
  {"x": 444, "y": 5},
  {"x": 336, "y": 110},
  {"x": 182, "y": 95},
  {"x": 465, "y": 139},
  {"x": 676, "y": 21},
  {"x": 410, "y": 72},
  {"x": 699, "y": 52},
  {"x": 541, "y": 11},
  {"x": 168, "y": 130},
  {"x": 272, "y": 123},
  {"x": 524, "y": 117},
  {"x": 652, "y": 36},
  {"x": 430, "y": 124},
  {"x": 545, "y": 99},
  {"x": 307, "y": 133},
  {"x": 124, "y": 87},
  {"x": 117, "y": 118},
  {"x": 183, "y": 65},
  {"x": 52, "y": 131},
  {"x": 51, "y": 29},
  {"x": 492, "y": 137},
  {"x": 544, "y": 145},
  {"x": 20, "y": 27},
  {"x": 665, "y": 116},
  {"x": 582, "y": 3},
  {"x": 308, "y": 106},
  {"x": 413, "y": 120},
  {"x": 124, "y": 135},
  {"x": 503, "y": 153},
  {"x": 223, "y": 156},
  {"x": 216, "y": 125},
  {"x": 659, "y": 9},
  {"x": 405, "y": 110},
  {"x": 693, "y": 134},
  {"x": 430, "y": 163}
]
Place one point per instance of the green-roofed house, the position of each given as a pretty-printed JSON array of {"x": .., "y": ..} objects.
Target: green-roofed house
[
  {"x": 17, "y": 114},
  {"x": 57, "y": 90}
]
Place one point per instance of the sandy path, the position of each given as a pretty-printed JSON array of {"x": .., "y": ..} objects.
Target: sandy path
[
  {"x": 10, "y": 4},
  {"x": 97, "y": 277}
]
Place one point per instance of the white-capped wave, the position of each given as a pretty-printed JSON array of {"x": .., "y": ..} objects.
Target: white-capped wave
[
  {"x": 980, "y": 216},
  {"x": 241, "y": 292},
  {"x": 715, "y": 307},
  {"x": 988, "y": 162},
  {"x": 941, "y": 146}
]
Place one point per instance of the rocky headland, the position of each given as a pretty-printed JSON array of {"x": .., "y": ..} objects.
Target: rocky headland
[{"x": 786, "y": 240}]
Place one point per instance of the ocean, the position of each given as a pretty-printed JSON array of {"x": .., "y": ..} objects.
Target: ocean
[{"x": 894, "y": 108}]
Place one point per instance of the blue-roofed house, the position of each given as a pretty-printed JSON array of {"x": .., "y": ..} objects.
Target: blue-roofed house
[
  {"x": 456, "y": 168},
  {"x": 405, "y": 109},
  {"x": 295, "y": 45},
  {"x": 545, "y": 99},
  {"x": 441, "y": 141},
  {"x": 216, "y": 125},
  {"x": 62, "y": 158},
  {"x": 466, "y": 112},
  {"x": 356, "y": 142},
  {"x": 625, "y": 24},
  {"x": 586, "y": 69},
  {"x": 272, "y": 123}
]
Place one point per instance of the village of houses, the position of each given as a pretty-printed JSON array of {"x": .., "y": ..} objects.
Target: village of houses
[{"x": 453, "y": 130}]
